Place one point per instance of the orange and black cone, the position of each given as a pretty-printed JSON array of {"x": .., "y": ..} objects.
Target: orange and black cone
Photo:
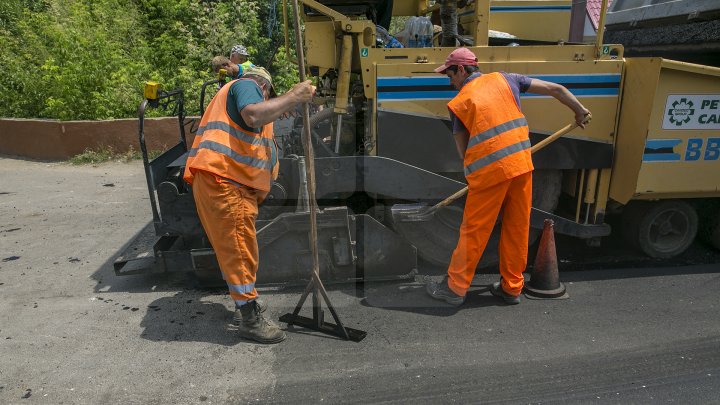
[{"x": 544, "y": 278}]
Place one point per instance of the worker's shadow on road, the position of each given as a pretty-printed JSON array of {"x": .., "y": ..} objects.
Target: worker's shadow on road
[
  {"x": 412, "y": 297},
  {"x": 186, "y": 317}
]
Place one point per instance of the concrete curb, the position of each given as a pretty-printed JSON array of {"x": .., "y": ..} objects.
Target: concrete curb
[{"x": 52, "y": 140}]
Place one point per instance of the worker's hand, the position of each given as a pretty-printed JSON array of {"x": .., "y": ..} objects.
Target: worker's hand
[
  {"x": 303, "y": 92},
  {"x": 583, "y": 117}
]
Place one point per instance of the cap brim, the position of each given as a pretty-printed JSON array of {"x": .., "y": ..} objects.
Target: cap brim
[{"x": 441, "y": 69}]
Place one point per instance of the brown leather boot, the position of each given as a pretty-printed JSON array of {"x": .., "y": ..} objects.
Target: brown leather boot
[
  {"x": 237, "y": 316},
  {"x": 254, "y": 327}
]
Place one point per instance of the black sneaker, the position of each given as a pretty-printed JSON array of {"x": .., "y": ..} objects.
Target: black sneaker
[
  {"x": 496, "y": 290},
  {"x": 441, "y": 291}
]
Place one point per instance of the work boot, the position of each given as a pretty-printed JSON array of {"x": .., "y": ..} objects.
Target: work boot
[
  {"x": 441, "y": 291},
  {"x": 496, "y": 290},
  {"x": 254, "y": 327},
  {"x": 237, "y": 316}
]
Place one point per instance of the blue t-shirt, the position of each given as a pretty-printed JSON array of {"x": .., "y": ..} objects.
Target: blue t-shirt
[
  {"x": 518, "y": 84},
  {"x": 241, "y": 94}
]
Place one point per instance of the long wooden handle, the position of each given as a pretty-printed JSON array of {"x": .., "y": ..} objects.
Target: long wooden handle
[
  {"x": 545, "y": 142},
  {"x": 309, "y": 155}
]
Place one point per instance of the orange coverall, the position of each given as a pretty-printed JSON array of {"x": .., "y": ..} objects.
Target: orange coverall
[
  {"x": 231, "y": 171},
  {"x": 498, "y": 169}
]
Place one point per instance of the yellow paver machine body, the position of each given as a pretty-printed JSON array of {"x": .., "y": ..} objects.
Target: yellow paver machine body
[
  {"x": 654, "y": 137},
  {"x": 382, "y": 137}
]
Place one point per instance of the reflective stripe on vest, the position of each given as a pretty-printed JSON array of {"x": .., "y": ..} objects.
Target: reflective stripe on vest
[
  {"x": 236, "y": 133},
  {"x": 495, "y": 156},
  {"x": 225, "y": 149},
  {"x": 495, "y": 131},
  {"x": 498, "y": 131},
  {"x": 222, "y": 149},
  {"x": 241, "y": 288}
]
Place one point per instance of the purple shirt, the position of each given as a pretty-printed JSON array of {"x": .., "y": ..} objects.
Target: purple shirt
[{"x": 518, "y": 84}]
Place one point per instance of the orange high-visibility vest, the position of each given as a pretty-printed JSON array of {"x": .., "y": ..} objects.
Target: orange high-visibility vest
[
  {"x": 229, "y": 151},
  {"x": 499, "y": 146}
]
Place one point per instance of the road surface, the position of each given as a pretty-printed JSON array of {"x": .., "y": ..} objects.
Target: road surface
[{"x": 72, "y": 332}]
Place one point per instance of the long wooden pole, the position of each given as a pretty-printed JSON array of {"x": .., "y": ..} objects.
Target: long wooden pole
[
  {"x": 316, "y": 285},
  {"x": 307, "y": 145}
]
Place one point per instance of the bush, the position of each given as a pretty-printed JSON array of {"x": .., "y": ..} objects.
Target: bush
[{"x": 88, "y": 59}]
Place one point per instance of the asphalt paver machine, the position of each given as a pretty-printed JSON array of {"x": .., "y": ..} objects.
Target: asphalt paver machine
[{"x": 382, "y": 137}]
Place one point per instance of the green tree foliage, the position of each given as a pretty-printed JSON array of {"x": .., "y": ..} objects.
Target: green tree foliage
[{"x": 88, "y": 59}]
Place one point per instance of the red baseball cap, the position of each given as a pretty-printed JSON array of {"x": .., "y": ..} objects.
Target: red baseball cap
[{"x": 460, "y": 56}]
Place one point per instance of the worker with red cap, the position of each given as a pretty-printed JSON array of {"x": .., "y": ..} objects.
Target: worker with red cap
[{"x": 491, "y": 135}]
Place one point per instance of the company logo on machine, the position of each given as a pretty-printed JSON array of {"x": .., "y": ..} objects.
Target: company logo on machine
[
  {"x": 681, "y": 111},
  {"x": 692, "y": 111}
]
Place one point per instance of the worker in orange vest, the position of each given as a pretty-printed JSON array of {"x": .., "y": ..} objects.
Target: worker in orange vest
[
  {"x": 491, "y": 135},
  {"x": 231, "y": 167}
]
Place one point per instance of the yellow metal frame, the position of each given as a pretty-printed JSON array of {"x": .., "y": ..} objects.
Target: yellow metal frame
[
  {"x": 649, "y": 84},
  {"x": 346, "y": 44}
]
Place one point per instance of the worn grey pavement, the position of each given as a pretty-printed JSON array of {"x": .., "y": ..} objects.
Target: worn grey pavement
[{"x": 71, "y": 332}]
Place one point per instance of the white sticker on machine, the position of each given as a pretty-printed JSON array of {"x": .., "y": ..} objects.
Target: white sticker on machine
[{"x": 692, "y": 111}]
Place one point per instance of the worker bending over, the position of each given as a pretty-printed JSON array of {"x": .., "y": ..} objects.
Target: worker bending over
[
  {"x": 491, "y": 135},
  {"x": 231, "y": 166}
]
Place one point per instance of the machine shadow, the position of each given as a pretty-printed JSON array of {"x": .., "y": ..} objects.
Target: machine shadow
[
  {"x": 107, "y": 281},
  {"x": 577, "y": 263}
]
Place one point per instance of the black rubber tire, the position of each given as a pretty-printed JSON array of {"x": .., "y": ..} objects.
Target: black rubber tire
[
  {"x": 709, "y": 229},
  {"x": 661, "y": 229}
]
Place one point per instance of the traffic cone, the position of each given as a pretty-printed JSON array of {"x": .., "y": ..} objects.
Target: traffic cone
[{"x": 544, "y": 278}]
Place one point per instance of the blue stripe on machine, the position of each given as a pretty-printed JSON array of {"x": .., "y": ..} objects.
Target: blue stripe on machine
[
  {"x": 598, "y": 85},
  {"x": 661, "y": 150},
  {"x": 447, "y": 95},
  {"x": 581, "y": 92},
  {"x": 600, "y": 78},
  {"x": 661, "y": 143},
  {"x": 444, "y": 80},
  {"x": 414, "y": 81},
  {"x": 417, "y": 95}
]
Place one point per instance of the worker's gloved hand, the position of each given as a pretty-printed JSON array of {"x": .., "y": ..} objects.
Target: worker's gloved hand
[
  {"x": 583, "y": 118},
  {"x": 303, "y": 92}
]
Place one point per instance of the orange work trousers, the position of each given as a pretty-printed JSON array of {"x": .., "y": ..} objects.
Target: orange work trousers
[
  {"x": 227, "y": 213},
  {"x": 482, "y": 207}
]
